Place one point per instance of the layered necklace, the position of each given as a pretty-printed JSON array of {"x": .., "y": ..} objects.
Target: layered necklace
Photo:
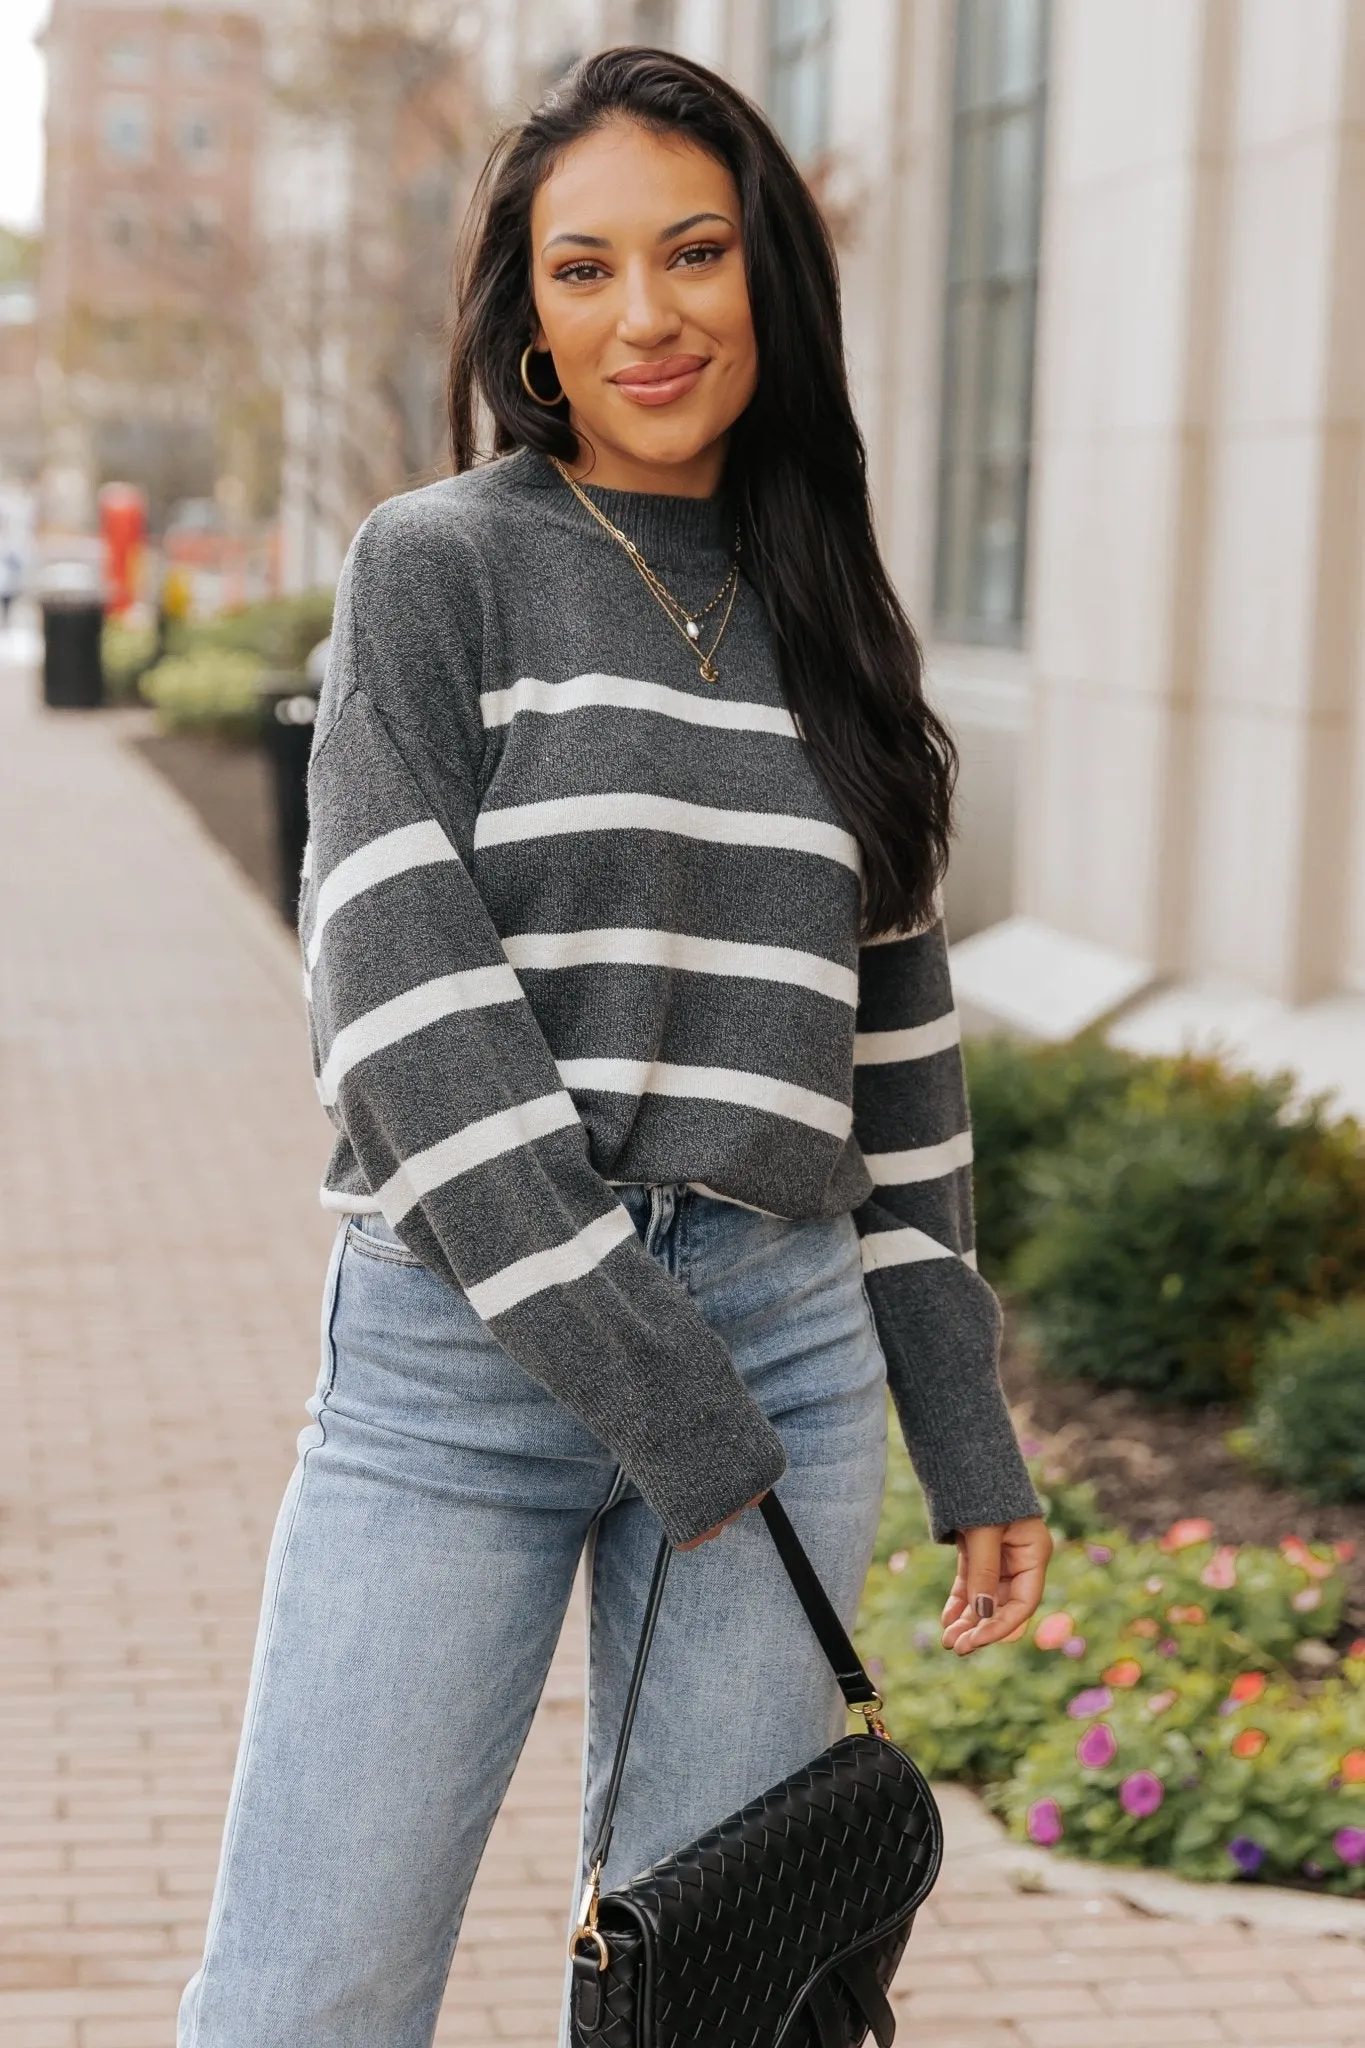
[{"x": 688, "y": 624}]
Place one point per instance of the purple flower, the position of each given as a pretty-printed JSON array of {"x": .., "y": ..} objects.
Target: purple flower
[
  {"x": 1169, "y": 1647},
  {"x": 1314, "y": 1871},
  {"x": 1074, "y": 1646},
  {"x": 1099, "y": 1553},
  {"x": 1044, "y": 1822},
  {"x": 1096, "y": 1699},
  {"x": 1097, "y": 1747},
  {"x": 1141, "y": 1794},
  {"x": 1031, "y": 1447},
  {"x": 1349, "y": 1844},
  {"x": 1246, "y": 1854}
]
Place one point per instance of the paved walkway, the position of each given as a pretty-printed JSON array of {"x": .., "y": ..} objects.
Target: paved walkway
[{"x": 160, "y": 1260}]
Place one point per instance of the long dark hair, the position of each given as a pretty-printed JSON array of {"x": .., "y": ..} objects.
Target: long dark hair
[{"x": 848, "y": 657}]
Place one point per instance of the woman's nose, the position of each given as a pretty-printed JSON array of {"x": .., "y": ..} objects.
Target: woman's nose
[{"x": 648, "y": 315}]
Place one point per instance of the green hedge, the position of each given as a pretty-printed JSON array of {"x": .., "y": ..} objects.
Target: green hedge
[
  {"x": 1159, "y": 1710},
  {"x": 1307, "y": 1424},
  {"x": 1180, "y": 1230}
]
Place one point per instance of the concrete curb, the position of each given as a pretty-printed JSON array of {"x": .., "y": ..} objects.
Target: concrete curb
[{"x": 977, "y": 1844}]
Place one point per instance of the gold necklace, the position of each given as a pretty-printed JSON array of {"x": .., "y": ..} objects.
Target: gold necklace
[{"x": 683, "y": 621}]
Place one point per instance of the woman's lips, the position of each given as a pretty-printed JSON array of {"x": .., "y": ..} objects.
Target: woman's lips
[{"x": 659, "y": 383}]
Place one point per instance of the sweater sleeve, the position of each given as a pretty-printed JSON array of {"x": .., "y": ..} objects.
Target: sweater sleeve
[
  {"x": 429, "y": 1057},
  {"x": 938, "y": 1321}
]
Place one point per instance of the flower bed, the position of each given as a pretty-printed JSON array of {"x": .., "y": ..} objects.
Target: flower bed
[{"x": 1176, "y": 1703}]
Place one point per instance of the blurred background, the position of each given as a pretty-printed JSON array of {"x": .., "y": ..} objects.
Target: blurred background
[
  {"x": 1104, "y": 303},
  {"x": 1104, "y": 275}
]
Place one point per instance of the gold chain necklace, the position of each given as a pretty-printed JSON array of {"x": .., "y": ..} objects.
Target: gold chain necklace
[{"x": 687, "y": 623}]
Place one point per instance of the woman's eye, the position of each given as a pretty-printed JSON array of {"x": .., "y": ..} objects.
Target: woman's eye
[
  {"x": 579, "y": 273},
  {"x": 698, "y": 253}
]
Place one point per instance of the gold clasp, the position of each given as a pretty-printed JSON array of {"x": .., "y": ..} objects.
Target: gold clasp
[
  {"x": 586, "y": 1929},
  {"x": 871, "y": 1711}
]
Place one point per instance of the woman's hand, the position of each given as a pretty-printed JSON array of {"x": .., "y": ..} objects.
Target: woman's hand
[
  {"x": 1000, "y": 1577},
  {"x": 709, "y": 1535}
]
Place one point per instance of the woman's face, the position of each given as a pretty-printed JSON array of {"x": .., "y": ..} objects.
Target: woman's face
[{"x": 642, "y": 301}]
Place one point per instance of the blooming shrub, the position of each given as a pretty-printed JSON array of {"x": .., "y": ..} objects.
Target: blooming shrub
[
  {"x": 1152, "y": 1713},
  {"x": 216, "y": 690}
]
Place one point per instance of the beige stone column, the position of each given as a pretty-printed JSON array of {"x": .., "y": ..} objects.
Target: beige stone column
[
  {"x": 1270, "y": 840},
  {"x": 1130, "y": 283}
]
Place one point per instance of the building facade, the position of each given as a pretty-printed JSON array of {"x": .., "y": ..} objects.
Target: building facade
[
  {"x": 145, "y": 343},
  {"x": 1102, "y": 275}
]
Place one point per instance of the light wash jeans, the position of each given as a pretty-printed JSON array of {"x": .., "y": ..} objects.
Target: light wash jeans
[{"x": 420, "y": 1571}]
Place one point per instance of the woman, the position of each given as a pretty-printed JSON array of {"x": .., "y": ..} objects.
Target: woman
[{"x": 621, "y": 752}]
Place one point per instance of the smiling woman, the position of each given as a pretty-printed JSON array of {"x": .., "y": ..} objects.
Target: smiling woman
[{"x": 630, "y": 1007}]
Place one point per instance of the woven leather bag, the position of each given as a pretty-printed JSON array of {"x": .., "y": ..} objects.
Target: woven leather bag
[{"x": 781, "y": 1927}]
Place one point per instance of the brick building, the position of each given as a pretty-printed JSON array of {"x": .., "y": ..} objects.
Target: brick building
[{"x": 145, "y": 305}]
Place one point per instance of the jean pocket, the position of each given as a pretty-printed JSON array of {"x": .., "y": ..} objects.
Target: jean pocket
[{"x": 371, "y": 1236}]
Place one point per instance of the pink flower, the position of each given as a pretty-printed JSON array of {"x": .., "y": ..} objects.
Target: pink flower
[
  {"x": 1044, "y": 1822},
  {"x": 898, "y": 1561},
  {"x": 1074, "y": 1646},
  {"x": 1053, "y": 1631},
  {"x": 1161, "y": 1702},
  {"x": 1031, "y": 1447},
  {"x": 1097, "y": 1747},
  {"x": 1221, "y": 1570},
  {"x": 1141, "y": 1794},
  {"x": 1180, "y": 1535},
  {"x": 1099, "y": 1553},
  {"x": 1349, "y": 1844},
  {"x": 1096, "y": 1699},
  {"x": 1307, "y": 1600},
  {"x": 1154, "y": 1585}
]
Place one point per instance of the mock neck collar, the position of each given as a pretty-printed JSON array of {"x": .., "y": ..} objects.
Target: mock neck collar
[{"x": 662, "y": 526}]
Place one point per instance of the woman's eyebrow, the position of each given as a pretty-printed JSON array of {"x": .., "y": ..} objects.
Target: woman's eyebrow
[{"x": 678, "y": 227}]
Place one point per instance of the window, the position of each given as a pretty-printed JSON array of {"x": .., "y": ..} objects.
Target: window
[
  {"x": 127, "y": 128},
  {"x": 199, "y": 226},
  {"x": 989, "y": 327},
  {"x": 125, "y": 224},
  {"x": 196, "y": 137},
  {"x": 130, "y": 57},
  {"x": 798, "y": 73}
]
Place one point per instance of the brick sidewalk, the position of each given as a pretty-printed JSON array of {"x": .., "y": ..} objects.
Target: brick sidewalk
[{"x": 158, "y": 1306}]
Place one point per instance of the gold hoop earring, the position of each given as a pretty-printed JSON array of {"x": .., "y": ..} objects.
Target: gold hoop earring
[{"x": 528, "y": 387}]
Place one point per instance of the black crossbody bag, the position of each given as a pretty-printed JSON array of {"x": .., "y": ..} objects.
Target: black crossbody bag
[{"x": 781, "y": 1927}]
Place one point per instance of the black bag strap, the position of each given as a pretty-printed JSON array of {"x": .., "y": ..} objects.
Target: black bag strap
[{"x": 830, "y": 1633}]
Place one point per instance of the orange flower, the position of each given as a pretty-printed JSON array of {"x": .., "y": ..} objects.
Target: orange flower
[
  {"x": 1294, "y": 1550},
  {"x": 1180, "y": 1535},
  {"x": 1126, "y": 1672},
  {"x": 1054, "y": 1630},
  {"x": 1344, "y": 1550},
  {"x": 1357, "y": 1648},
  {"x": 1143, "y": 1626},
  {"x": 1353, "y": 1767},
  {"x": 1193, "y": 1615},
  {"x": 1247, "y": 1686},
  {"x": 1250, "y": 1742}
]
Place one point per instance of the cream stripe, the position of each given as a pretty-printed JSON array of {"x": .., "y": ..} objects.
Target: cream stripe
[
  {"x": 306, "y": 871},
  {"x": 474, "y": 989},
  {"x": 629, "y": 810},
  {"x": 915, "y": 1042},
  {"x": 714, "y": 1084},
  {"x": 500, "y": 707},
  {"x": 553, "y": 1268},
  {"x": 393, "y": 853},
  {"x": 486, "y": 1139},
  {"x": 906, "y": 1247},
  {"x": 638, "y": 946},
  {"x": 923, "y": 1162}
]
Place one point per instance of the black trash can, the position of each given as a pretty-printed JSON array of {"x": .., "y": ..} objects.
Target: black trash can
[
  {"x": 290, "y": 705},
  {"x": 73, "y": 670}
]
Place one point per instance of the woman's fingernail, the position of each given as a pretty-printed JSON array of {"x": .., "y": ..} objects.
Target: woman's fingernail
[{"x": 984, "y": 1605}]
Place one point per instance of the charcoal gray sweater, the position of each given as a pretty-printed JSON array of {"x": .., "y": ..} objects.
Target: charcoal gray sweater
[{"x": 572, "y": 917}]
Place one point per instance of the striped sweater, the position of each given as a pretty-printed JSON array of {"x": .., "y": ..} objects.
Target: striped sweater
[{"x": 572, "y": 917}]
